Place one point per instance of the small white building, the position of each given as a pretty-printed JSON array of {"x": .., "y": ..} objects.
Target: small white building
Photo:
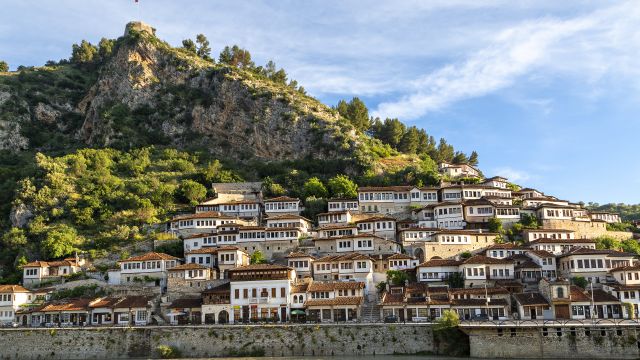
[
  {"x": 150, "y": 268},
  {"x": 12, "y": 297},
  {"x": 282, "y": 205}
]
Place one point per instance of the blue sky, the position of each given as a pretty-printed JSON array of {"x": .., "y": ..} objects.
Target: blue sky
[{"x": 547, "y": 92}]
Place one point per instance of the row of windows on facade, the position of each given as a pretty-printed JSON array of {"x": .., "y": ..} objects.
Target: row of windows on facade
[
  {"x": 346, "y": 206},
  {"x": 149, "y": 265},
  {"x": 299, "y": 263},
  {"x": 397, "y": 196},
  {"x": 559, "y": 213},
  {"x": 380, "y": 225},
  {"x": 264, "y": 293},
  {"x": 191, "y": 274},
  {"x": 593, "y": 264},
  {"x": 343, "y": 266},
  {"x": 451, "y": 223},
  {"x": 281, "y": 206},
  {"x": 549, "y": 236},
  {"x": 361, "y": 244}
]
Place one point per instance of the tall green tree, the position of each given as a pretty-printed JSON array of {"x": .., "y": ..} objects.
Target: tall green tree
[
  {"x": 4, "y": 67},
  {"x": 445, "y": 151},
  {"x": 83, "y": 53},
  {"x": 258, "y": 258},
  {"x": 190, "y": 46},
  {"x": 410, "y": 141},
  {"x": 341, "y": 186},
  {"x": 193, "y": 192},
  {"x": 204, "y": 50},
  {"x": 356, "y": 112},
  {"x": 313, "y": 187},
  {"x": 60, "y": 241},
  {"x": 460, "y": 158},
  {"x": 105, "y": 48},
  {"x": 473, "y": 158}
]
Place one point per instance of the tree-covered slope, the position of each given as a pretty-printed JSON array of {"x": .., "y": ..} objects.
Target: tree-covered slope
[{"x": 96, "y": 150}]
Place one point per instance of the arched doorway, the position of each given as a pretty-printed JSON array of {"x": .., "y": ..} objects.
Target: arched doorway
[
  {"x": 223, "y": 317},
  {"x": 419, "y": 253}
]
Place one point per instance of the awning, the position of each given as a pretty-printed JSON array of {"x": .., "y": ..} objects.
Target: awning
[{"x": 297, "y": 312}]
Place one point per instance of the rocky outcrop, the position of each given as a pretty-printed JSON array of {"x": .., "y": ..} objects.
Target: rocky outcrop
[
  {"x": 45, "y": 113},
  {"x": 224, "y": 109},
  {"x": 11, "y": 137},
  {"x": 20, "y": 216}
]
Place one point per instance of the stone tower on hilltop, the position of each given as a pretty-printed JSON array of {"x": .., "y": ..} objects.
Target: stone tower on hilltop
[{"x": 139, "y": 26}]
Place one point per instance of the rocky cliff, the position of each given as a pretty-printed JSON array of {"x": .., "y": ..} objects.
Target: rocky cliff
[{"x": 147, "y": 92}]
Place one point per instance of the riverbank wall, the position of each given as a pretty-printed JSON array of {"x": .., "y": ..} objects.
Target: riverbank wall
[
  {"x": 217, "y": 341},
  {"x": 558, "y": 342}
]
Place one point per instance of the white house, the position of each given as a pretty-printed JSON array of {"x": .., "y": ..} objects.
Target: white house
[
  {"x": 561, "y": 246},
  {"x": 479, "y": 270},
  {"x": 458, "y": 170},
  {"x": 534, "y": 234},
  {"x": 593, "y": 265},
  {"x": 334, "y": 217},
  {"x": 334, "y": 301},
  {"x": 12, "y": 297},
  {"x": 609, "y": 217},
  {"x": 382, "y": 226},
  {"x": 282, "y": 205},
  {"x": 148, "y": 268},
  {"x": 347, "y": 267},
  {"x": 261, "y": 291},
  {"x": 350, "y": 205},
  {"x": 437, "y": 270}
]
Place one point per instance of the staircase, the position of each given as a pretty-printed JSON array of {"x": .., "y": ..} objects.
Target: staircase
[{"x": 370, "y": 310}]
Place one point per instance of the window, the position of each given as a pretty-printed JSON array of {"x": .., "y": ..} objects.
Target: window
[{"x": 141, "y": 315}]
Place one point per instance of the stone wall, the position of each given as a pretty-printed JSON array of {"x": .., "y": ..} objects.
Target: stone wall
[
  {"x": 210, "y": 341},
  {"x": 586, "y": 229},
  {"x": 555, "y": 343}
]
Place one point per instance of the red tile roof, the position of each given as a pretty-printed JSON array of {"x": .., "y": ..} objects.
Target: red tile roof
[{"x": 150, "y": 256}]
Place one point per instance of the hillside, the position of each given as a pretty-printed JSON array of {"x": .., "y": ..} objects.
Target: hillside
[{"x": 170, "y": 122}]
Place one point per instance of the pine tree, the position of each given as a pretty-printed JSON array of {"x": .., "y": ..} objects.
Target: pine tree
[
  {"x": 4, "y": 67},
  {"x": 473, "y": 159},
  {"x": 189, "y": 45},
  {"x": 204, "y": 50}
]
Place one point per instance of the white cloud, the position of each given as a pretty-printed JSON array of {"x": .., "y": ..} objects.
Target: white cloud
[
  {"x": 588, "y": 46},
  {"x": 514, "y": 175}
]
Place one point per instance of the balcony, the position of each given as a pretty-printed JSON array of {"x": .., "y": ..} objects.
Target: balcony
[{"x": 259, "y": 300}]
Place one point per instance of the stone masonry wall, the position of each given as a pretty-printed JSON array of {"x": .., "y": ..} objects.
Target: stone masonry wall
[
  {"x": 211, "y": 341},
  {"x": 558, "y": 343},
  {"x": 586, "y": 230}
]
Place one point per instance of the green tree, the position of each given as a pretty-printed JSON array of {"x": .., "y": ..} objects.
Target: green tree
[
  {"x": 14, "y": 239},
  {"x": 280, "y": 77},
  {"x": 529, "y": 221},
  {"x": 410, "y": 141},
  {"x": 495, "y": 225},
  {"x": 580, "y": 281},
  {"x": 456, "y": 281},
  {"x": 473, "y": 158},
  {"x": 60, "y": 241},
  {"x": 356, "y": 112},
  {"x": 466, "y": 254},
  {"x": 105, "y": 48},
  {"x": 272, "y": 189},
  {"x": 630, "y": 245},
  {"x": 204, "y": 50},
  {"x": 192, "y": 191},
  {"x": 313, "y": 187},
  {"x": 83, "y": 53},
  {"x": 397, "y": 277},
  {"x": 460, "y": 158},
  {"x": 445, "y": 151},
  {"x": 607, "y": 242},
  {"x": 4, "y": 67},
  {"x": 341, "y": 186},
  {"x": 258, "y": 257},
  {"x": 236, "y": 56},
  {"x": 448, "y": 320},
  {"x": 190, "y": 46}
]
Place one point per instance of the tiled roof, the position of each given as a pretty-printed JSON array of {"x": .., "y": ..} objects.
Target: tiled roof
[
  {"x": 349, "y": 256},
  {"x": 195, "y": 236},
  {"x": 340, "y": 300},
  {"x": 186, "y": 303},
  {"x": 478, "y": 302},
  {"x": 531, "y": 299},
  {"x": 577, "y": 294},
  {"x": 375, "y": 218},
  {"x": 540, "y": 253},
  {"x": 440, "y": 262},
  {"x": 281, "y": 198},
  {"x": 204, "y": 250},
  {"x": 260, "y": 267},
  {"x": 150, "y": 256},
  {"x": 189, "y": 266},
  {"x": 37, "y": 263},
  {"x": 66, "y": 305},
  {"x": 299, "y": 288},
  {"x": 133, "y": 302},
  {"x": 223, "y": 288},
  {"x": 400, "y": 257},
  {"x": 528, "y": 265},
  {"x": 586, "y": 251},
  {"x": 297, "y": 254},
  {"x": 334, "y": 285},
  {"x": 287, "y": 216},
  {"x": 480, "y": 291},
  {"x": 481, "y": 259},
  {"x": 561, "y": 241},
  {"x": 627, "y": 268},
  {"x": 600, "y": 295},
  {"x": 202, "y": 215},
  {"x": 13, "y": 289},
  {"x": 107, "y": 302}
]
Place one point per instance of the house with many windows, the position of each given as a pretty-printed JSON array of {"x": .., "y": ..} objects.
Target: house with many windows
[
  {"x": 12, "y": 298},
  {"x": 334, "y": 301},
  {"x": 150, "y": 268}
]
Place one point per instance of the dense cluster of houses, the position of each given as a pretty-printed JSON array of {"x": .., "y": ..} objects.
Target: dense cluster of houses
[{"x": 331, "y": 269}]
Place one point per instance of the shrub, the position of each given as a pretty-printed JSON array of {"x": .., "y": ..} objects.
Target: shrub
[{"x": 168, "y": 352}]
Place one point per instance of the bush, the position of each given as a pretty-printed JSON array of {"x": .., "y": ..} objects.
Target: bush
[
  {"x": 168, "y": 352},
  {"x": 192, "y": 192}
]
